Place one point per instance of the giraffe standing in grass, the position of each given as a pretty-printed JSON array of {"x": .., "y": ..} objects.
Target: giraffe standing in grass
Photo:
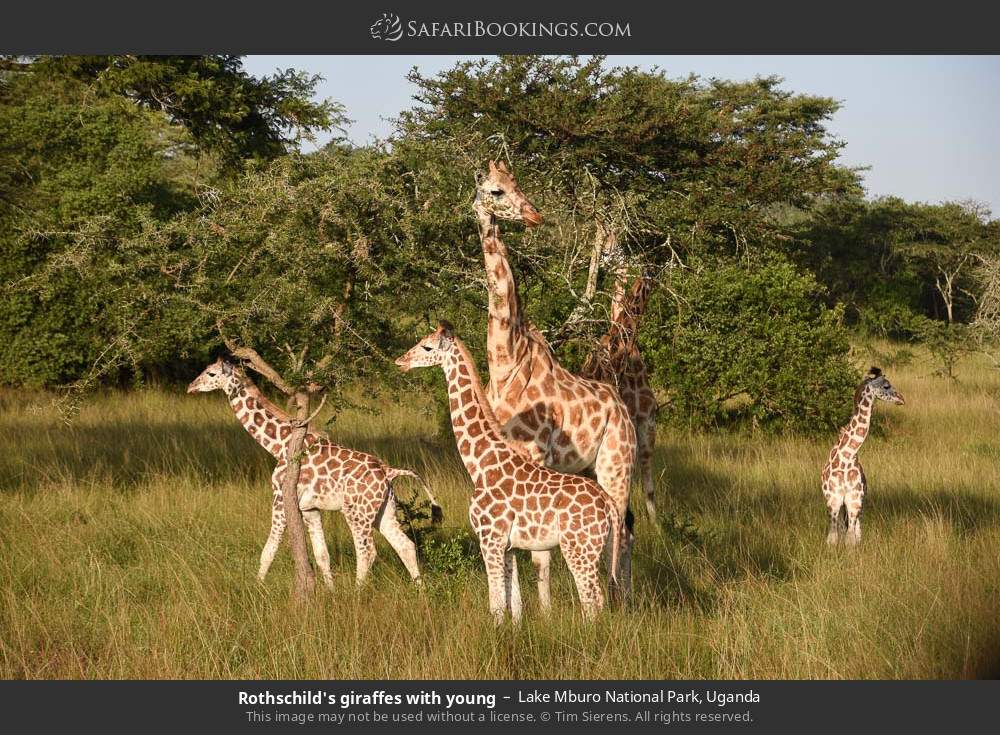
[
  {"x": 331, "y": 478},
  {"x": 844, "y": 483},
  {"x": 517, "y": 503},
  {"x": 617, "y": 361},
  {"x": 560, "y": 420}
]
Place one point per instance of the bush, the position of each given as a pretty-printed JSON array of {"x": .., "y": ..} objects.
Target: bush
[
  {"x": 947, "y": 343},
  {"x": 749, "y": 345}
]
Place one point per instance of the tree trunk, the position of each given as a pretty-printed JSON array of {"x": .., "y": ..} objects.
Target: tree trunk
[{"x": 305, "y": 579}]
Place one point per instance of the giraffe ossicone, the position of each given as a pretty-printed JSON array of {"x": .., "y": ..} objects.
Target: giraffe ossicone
[
  {"x": 844, "y": 482},
  {"x": 517, "y": 503},
  {"x": 331, "y": 477}
]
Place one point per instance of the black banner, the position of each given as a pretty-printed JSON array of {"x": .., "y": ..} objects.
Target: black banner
[
  {"x": 530, "y": 706},
  {"x": 452, "y": 27}
]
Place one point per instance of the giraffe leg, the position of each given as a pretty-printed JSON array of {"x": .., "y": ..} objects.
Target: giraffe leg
[
  {"x": 583, "y": 566},
  {"x": 362, "y": 531},
  {"x": 613, "y": 472},
  {"x": 513, "y": 587},
  {"x": 274, "y": 537},
  {"x": 542, "y": 560},
  {"x": 854, "y": 505},
  {"x": 492, "y": 549},
  {"x": 834, "y": 506},
  {"x": 388, "y": 526},
  {"x": 314, "y": 525},
  {"x": 646, "y": 437}
]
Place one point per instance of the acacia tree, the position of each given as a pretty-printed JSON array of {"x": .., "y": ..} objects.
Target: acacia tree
[
  {"x": 95, "y": 149},
  {"x": 947, "y": 241},
  {"x": 662, "y": 167}
]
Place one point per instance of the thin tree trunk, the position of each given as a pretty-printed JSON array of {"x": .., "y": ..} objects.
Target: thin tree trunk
[{"x": 305, "y": 579}]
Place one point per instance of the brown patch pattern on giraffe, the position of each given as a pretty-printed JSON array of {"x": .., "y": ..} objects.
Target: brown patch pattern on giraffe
[
  {"x": 563, "y": 421},
  {"x": 517, "y": 503}
]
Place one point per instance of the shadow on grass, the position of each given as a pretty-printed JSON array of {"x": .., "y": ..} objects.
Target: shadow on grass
[
  {"x": 966, "y": 510},
  {"x": 126, "y": 455}
]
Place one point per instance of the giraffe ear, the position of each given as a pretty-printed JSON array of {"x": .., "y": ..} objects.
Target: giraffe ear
[
  {"x": 493, "y": 167},
  {"x": 227, "y": 367},
  {"x": 446, "y": 329},
  {"x": 503, "y": 167}
]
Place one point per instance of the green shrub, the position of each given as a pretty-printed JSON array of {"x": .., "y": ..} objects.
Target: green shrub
[{"x": 733, "y": 344}]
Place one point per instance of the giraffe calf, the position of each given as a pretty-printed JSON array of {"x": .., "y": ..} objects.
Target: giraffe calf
[
  {"x": 331, "y": 477},
  {"x": 517, "y": 503},
  {"x": 844, "y": 482}
]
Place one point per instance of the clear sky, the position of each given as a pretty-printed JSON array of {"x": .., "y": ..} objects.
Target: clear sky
[{"x": 926, "y": 125}]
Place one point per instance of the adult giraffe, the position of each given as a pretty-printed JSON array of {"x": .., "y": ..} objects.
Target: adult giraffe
[
  {"x": 617, "y": 361},
  {"x": 562, "y": 421}
]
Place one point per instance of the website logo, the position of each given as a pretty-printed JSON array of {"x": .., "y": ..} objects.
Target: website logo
[{"x": 387, "y": 28}]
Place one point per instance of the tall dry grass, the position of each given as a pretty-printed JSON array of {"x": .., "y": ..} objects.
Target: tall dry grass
[{"x": 129, "y": 542}]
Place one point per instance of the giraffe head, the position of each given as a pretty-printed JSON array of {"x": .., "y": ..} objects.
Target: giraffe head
[
  {"x": 431, "y": 350},
  {"x": 499, "y": 196},
  {"x": 879, "y": 386},
  {"x": 221, "y": 374}
]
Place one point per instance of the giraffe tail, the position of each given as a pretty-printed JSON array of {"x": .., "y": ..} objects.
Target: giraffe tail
[{"x": 437, "y": 515}]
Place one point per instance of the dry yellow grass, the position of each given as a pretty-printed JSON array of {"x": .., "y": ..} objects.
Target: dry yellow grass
[{"x": 129, "y": 543}]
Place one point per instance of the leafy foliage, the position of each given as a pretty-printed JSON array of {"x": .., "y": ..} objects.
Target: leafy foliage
[
  {"x": 151, "y": 207},
  {"x": 750, "y": 345},
  {"x": 95, "y": 151},
  {"x": 223, "y": 108}
]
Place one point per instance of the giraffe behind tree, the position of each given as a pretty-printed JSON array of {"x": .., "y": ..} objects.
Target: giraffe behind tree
[
  {"x": 331, "y": 477},
  {"x": 517, "y": 503},
  {"x": 844, "y": 482},
  {"x": 617, "y": 361}
]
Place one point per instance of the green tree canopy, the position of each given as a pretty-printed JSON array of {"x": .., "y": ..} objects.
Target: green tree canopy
[{"x": 94, "y": 149}]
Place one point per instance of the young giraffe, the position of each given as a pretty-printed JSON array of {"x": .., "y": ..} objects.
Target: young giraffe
[
  {"x": 561, "y": 420},
  {"x": 617, "y": 361},
  {"x": 517, "y": 503},
  {"x": 331, "y": 478},
  {"x": 844, "y": 483}
]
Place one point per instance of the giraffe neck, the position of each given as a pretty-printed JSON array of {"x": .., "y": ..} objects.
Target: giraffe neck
[
  {"x": 477, "y": 432},
  {"x": 617, "y": 352},
  {"x": 628, "y": 305},
  {"x": 265, "y": 422},
  {"x": 506, "y": 337},
  {"x": 857, "y": 431}
]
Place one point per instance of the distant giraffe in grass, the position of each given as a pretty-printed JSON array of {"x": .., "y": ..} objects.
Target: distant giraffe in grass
[
  {"x": 844, "y": 483},
  {"x": 617, "y": 361},
  {"x": 331, "y": 478},
  {"x": 517, "y": 503}
]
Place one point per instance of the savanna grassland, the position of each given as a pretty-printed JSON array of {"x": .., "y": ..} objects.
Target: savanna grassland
[{"x": 129, "y": 543}]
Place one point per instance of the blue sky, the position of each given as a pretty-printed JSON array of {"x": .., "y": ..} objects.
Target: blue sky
[{"x": 926, "y": 125}]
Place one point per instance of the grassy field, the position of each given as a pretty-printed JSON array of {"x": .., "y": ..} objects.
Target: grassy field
[{"x": 129, "y": 543}]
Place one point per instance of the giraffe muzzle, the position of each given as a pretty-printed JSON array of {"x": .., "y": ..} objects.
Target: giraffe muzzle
[
  {"x": 193, "y": 387},
  {"x": 531, "y": 216},
  {"x": 403, "y": 364}
]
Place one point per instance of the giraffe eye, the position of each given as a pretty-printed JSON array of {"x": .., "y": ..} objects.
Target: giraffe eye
[
  {"x": 427, "y": 349},
  {"x": 497, "y": 193}
]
